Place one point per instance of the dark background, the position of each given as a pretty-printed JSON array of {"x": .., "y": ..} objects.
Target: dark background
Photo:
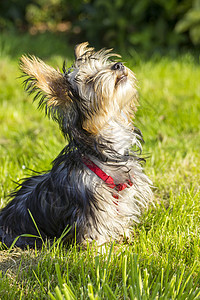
[{"x": 145, "y": 25}]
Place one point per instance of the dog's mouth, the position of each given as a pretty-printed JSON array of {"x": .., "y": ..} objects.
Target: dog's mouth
[
  {"x": 120, "y": 79},
  {"x": 122, "y": 76}
]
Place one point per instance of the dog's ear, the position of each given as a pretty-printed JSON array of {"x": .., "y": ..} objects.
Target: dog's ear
[
  {"x": 49, "y": 84},
  {"x": 83, "y": 49}
]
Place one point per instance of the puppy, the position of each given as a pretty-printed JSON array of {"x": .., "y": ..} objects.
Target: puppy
[{"x": 96, "y": 187}]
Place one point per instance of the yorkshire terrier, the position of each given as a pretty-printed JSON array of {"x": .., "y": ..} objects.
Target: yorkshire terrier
[{"x": 96, "y": 187}]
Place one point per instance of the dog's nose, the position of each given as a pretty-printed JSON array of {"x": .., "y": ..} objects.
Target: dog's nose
[{"x": 118, "y": 66}]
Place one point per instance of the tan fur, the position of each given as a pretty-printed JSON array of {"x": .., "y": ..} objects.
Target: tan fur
[
  {"x": 83, "y": 48},
  {"x": 50, "y": 81}
]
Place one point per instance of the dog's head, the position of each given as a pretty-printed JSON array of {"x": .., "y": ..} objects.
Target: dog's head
[{"x": 88, "y": 94}]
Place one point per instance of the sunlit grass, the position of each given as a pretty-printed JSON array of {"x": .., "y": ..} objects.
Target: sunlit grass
[{"x": 163, "y": 258}]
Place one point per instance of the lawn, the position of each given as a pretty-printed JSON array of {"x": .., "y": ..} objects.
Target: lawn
[{"x": 163, "y": 259}]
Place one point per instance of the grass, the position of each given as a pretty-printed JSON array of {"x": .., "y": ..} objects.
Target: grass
[{"x": 162, "y": 262}]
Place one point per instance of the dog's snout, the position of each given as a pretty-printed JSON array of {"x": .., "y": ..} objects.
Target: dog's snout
[{"x": 118, "y": 66}]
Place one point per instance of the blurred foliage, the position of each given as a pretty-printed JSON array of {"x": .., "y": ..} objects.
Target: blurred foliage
[
  {"x": 191, "y": 22},
  {"x": 115, "y": 23}
]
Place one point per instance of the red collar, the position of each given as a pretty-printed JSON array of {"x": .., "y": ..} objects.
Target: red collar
[{"x": 107, "y": 179}]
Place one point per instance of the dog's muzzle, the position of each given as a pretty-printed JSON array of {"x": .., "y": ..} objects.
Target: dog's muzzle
[{"x": 120, "y": 71}]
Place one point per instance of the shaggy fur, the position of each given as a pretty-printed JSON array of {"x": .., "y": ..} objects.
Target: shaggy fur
[{"x": 93, "y": 102}]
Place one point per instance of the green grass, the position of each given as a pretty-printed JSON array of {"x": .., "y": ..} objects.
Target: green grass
[{"x": 163, "y": 260}]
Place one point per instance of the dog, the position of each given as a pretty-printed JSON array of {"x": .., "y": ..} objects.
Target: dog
[{"x": 96, "y": 187}]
